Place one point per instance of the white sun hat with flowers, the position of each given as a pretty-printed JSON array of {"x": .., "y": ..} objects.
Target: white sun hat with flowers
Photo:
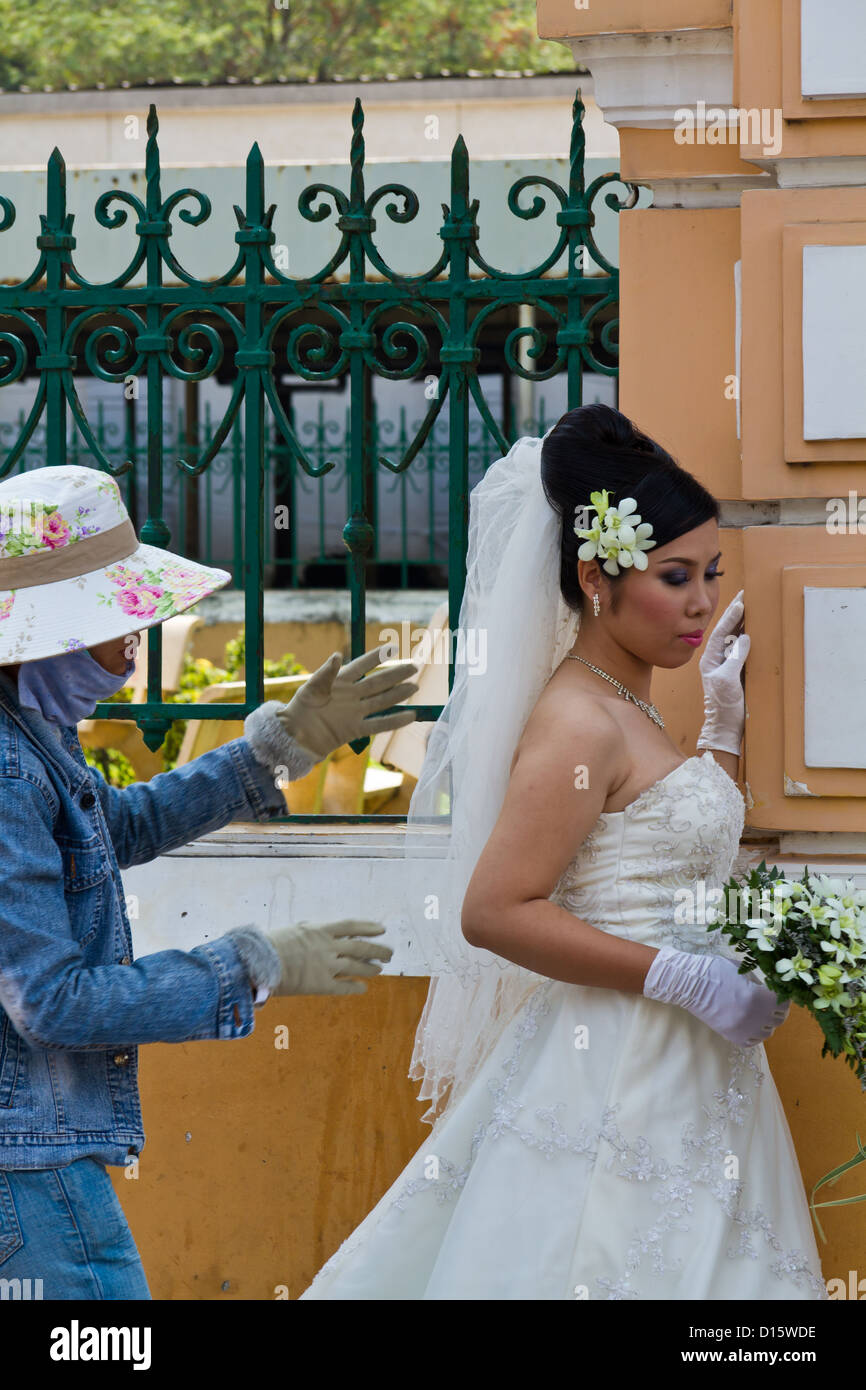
[{"x": 72, "y": 570}]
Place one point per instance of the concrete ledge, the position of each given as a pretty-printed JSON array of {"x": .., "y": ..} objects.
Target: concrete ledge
[
  {"x": 324, "y": 605},
  {"x": 198, "y": 893},
  {"x": 305, "y": 841},
  {"x": 514, "y": 87}
]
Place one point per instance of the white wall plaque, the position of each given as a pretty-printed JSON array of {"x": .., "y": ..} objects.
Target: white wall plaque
[
  {"x": 834, "y": 342},
  {"x": 832, "y": 49},
  {"x": 834, "y": 650}
]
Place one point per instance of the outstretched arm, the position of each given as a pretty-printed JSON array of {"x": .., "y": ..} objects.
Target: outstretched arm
[
  {"x": 148, "y": 818},
  {"x": 55, "y": 999},
  {"x": 240, "y": 780}
]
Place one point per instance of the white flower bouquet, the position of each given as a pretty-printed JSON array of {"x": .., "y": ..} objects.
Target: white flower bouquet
[{"x": 808, "y": 939}]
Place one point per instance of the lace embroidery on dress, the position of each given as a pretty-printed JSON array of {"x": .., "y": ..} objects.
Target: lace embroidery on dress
[
  {"x": 577, "y": 894},
  {"x": 658, "y": 875},
  {"x": 703, "y": 1163},
  {"x": 714, "y": 815},
  {"x": 703, "y": 1159}
]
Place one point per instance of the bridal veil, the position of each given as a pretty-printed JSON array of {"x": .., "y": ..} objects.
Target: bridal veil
[{"x": 514, "y": 630}]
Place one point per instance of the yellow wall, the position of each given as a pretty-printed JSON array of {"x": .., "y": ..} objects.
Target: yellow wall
[
  {"x": 310, "y": 642},
  {"x": 259, "y": 1161}
]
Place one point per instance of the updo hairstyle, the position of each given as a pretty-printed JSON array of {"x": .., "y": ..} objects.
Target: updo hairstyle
[{"x": 594, "y": 447}]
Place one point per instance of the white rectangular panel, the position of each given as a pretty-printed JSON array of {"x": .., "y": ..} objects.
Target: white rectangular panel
[
  {"x": 832, "y": 49},
  {"x": 834, "y": 642},
  {"x": 834, "y": 342}
]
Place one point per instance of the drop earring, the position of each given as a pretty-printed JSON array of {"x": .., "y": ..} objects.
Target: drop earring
[{"x": 596, "y": 607}]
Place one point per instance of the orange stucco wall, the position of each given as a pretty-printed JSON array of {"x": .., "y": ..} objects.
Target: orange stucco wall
[
  {"x": 260, "y": 1160},
  {"x": 677, "y": 345},
  {"x": 563, "y": 18},
  {"x": 767, "y": 44}
]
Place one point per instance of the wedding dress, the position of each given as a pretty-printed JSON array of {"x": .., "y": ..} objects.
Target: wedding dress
[{"x": 609, "y": 1146}]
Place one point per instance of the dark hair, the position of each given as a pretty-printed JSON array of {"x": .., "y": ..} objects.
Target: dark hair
[{"x": 595, "y": 447}]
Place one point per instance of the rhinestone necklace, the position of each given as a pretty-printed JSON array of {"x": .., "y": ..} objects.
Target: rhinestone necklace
[{"x": 623, "y": 690}]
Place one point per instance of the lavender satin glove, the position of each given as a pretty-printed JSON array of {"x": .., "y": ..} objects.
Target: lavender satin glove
[
  {"x": 711, "y": 988},
  {"x": 724, "y": 698}
]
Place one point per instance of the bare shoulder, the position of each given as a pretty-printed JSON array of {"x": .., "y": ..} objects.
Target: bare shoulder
[
  {"x": 547, "y": 811},
  {"x": 567, "y": 720}
]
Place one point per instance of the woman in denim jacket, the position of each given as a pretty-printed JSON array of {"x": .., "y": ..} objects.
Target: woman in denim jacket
[{"x": 74, "y": 1002}]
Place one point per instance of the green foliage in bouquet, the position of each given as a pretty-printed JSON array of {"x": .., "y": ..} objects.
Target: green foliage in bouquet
[
  {"x": 808, "y": 937},
  {"x": 197, "y": 673}
]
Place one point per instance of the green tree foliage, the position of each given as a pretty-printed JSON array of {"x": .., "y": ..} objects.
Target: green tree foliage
[{"x": 92, "y": 42}]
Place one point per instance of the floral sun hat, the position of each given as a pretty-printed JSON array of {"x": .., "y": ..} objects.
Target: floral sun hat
[{"x": 72, "y": 570}]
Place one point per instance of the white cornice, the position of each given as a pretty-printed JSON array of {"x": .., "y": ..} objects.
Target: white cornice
[
  {"x": 702, "y": 191},
  {"x": 643, "y": 79},
  {"x": 824, "y": 171}
]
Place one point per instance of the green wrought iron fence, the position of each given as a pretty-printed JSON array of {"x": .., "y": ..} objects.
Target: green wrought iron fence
[
  {"x": 322, "y": 328},
  {"x": 410, "y": 501}
]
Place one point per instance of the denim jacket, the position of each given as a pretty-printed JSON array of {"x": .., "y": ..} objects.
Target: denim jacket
[{"x": 74, "y": 1004}]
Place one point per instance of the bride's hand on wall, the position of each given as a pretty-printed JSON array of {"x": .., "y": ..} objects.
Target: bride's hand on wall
[{"x": 721, "y": 669}]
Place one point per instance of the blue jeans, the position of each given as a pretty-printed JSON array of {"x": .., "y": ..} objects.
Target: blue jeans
[{"x": 64, "y": 1231}]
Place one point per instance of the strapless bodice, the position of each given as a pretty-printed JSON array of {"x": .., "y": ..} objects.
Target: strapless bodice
[{"x": 643, "y": 873}]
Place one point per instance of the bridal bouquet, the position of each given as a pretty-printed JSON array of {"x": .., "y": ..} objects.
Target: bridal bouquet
[{"x": 808, "y": 938}]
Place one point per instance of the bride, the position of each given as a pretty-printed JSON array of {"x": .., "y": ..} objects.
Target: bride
[{"x": 605, "y": 1124}]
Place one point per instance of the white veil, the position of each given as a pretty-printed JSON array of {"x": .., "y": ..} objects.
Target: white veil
[{"x": 514, "y": 630}]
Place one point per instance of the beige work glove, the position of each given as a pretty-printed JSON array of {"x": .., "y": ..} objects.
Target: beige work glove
[
  {"x": 333, "y": 707},
  {"x": 312, "y": 957}
]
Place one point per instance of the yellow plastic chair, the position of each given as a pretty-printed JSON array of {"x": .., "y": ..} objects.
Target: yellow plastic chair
[
  {"x": 405, "y": 749},
  {"x": 304, "y": 795},
  {"x": 177, "y": 635}
]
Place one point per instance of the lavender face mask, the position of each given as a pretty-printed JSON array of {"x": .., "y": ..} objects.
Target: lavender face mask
[{"x": 66, "y": 688}]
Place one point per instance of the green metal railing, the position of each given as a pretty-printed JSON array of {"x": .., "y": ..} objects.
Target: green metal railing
[
  {"x": 410, "y": 502},
  {"x": 321, "y": 328}
]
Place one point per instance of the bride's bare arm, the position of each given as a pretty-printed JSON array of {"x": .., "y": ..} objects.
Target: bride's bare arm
[
  {"x": 729, "y": 762},
  {"x": 544, "y": 820}
]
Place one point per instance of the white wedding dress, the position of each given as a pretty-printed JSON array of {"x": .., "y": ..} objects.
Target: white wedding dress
[{"x": 609, "y": 1146}]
